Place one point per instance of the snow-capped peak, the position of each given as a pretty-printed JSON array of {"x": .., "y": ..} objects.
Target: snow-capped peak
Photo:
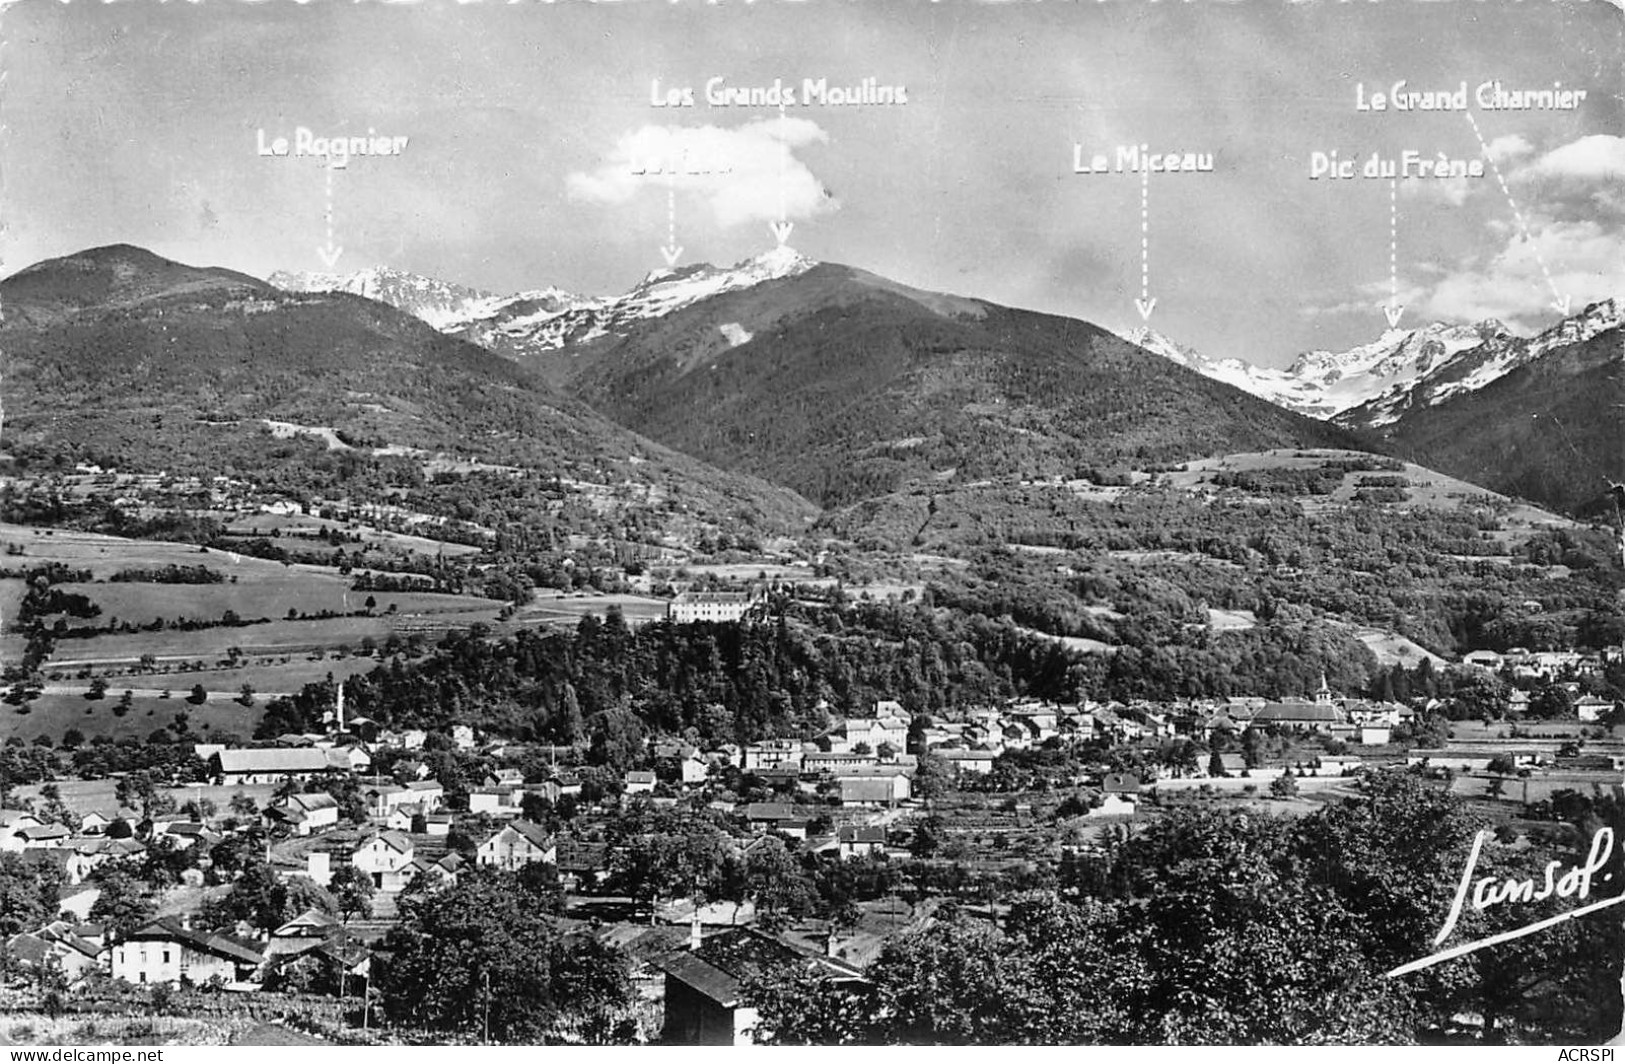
[
  {"x": 1375, "y": 383},
  {"x": 1596, "y": 318},
  {"x": 520, "y": 328},
  {"x": 434, "y": 301}
]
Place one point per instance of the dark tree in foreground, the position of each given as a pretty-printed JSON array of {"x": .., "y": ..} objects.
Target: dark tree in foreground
[{"x": 482, "y": 955}]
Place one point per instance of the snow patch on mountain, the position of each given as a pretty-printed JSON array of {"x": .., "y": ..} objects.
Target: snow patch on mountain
[
  {"x": 514, "y": 329},
  {"x": 1374, "y": 384},
  {"x": 429, "y": 299},
  {"x": 1275, "y": 385}
]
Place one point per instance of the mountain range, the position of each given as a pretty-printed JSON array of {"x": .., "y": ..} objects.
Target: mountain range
[
  {"x": 1373, "y": 385},
  {"x": 801, "y": 380},
  {"x": 529, "y": 326},
  {"x": 120, "y": 357}
]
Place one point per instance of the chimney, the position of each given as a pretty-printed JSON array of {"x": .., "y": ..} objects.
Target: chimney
[
  {"x": 829, "y": 943},
  {"x": 694, "y": 930}
]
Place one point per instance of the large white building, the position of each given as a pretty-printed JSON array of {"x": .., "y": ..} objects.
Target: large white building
[{"x": 714, "y": 606}]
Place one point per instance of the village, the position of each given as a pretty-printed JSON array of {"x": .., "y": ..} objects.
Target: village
[{"x": 923, "y": 811}]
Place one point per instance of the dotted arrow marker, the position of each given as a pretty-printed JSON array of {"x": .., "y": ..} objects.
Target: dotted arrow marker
[
  {"x": 781, "y": 228},
  {"x": 1145, "y": 304},
  {"x": 1393, "y": 310},
  {"x": 671, "y": 252},
  {"x": 1560, "y": 302},
  {"x": 329, "y": 253}
]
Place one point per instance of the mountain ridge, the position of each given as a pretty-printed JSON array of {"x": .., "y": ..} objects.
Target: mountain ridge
[{"x": 190, "y": 374}]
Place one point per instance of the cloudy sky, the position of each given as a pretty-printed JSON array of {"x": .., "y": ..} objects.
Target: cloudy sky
[{"x": 140, "y": 123}]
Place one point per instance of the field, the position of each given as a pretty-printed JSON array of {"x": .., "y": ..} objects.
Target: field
[
  {"x": 1425, "y": 488},
  {"x": 557, "y": 608},
  {"x": 303, "y": 530},
  {"x": 52, "y": 714},
  {"x": 278, "y": 637},
  {"x": 304, "y": 592},
  {"x": 83, "y": 796},
  {"x": 1392, "y": 649},
  {"x": 275, "y": 657}
]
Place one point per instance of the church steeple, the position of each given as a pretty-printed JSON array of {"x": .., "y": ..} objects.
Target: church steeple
[{"x": 1323, "y": 696}]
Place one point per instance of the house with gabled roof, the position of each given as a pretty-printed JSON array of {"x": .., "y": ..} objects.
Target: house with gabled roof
[
  {"x": 301, "y": 933},
  {"x": 43, "y": 836},
  {"x": 874, "y": 791},
  {"x": 427, "y": 793},
  {"x": 516, "y": 845},
  {"x": 304, "y": 814},
  {"x": 705, "y": 998},
  {"x": 58, "y": 945},
  {"x": 503, "y": 800},
  {"x": 167, "y": 950},
  {"x": 385, "y": 856},
  {"x": 855, "y": 842},
  {"x": 1298, "y": 716},
  {"x": 272, "y": 765}
]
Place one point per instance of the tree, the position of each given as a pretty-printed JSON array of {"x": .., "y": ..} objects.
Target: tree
[
  {"x": 199, "y": 695},
  {"x": 933, "y": 777},
  {"x": 243, "y": 806},
  {"x": 124, "y": 904},
  {"x": 775, "y": 881},
  {"x": 1284, "y": 786},
  {"x": 1552, "y": 703},
  {"x": 98, "y": 689},
  {"x": 352, "y": 889},
  {"x": 691, "y": 863},
  {"x": 137, "y": 790},
  {"x": 28, "y": 895},
  {"x": 261, "y": 898},
  {"x": 245, "y": 694},
  {"x": 617, "y": 739},
  {"x": 474, "y": 958},
  {"x": 1215, "y": 765}
]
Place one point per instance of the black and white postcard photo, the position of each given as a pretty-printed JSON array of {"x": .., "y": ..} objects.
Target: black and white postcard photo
[{"x": 771, "y": 523}]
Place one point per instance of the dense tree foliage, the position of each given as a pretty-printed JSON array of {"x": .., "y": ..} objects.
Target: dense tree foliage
[
  {"x": 481, "y": 956},
  {"x": 1216, "y": 927}
]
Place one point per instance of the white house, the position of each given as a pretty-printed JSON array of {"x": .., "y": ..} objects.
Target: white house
[
  {"x": 770, "y": 753},
  {"x": 305, "y": 814},
  {"x": 385, "y": 856},
  {"x": 855, "y": 842},
  {"x": 717, "y": 607},
  {"x": 272, "y": 764},
  {"x": 695, "y": 769},
  {"x": 12, "y": 823},
  {"x": 516, "y": 845},
  {"x": 874, "y": 791},
  {"x": 496, "y": 801},
  {"x": 167, "y": 951}
]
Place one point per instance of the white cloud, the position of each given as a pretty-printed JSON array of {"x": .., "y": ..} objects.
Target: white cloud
[
  {"x": 1586, "y": 262},
  {"x": 1508, "y": 148},
  {"x": 749, "y": 173},
  {"x": 1374, "y": 296},
  {"x": 1599, "y": 157},
  {"x": 1578, "y": 179},
  {"x": 1571, "y": 201},
  {"x": 1451, "y": 190}
]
